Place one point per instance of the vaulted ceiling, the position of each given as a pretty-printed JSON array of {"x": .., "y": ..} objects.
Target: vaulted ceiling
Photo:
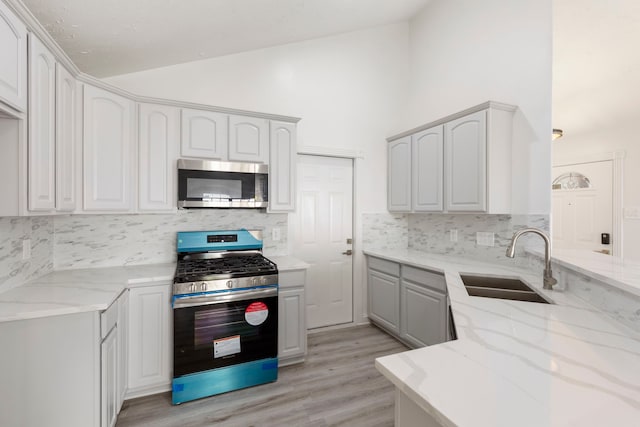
[{"x": 111, "y": 37}]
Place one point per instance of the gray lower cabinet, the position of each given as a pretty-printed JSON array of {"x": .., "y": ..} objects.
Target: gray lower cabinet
[
  {"x": 408, "y": 302},
  {"x": 384, "y": 294}
]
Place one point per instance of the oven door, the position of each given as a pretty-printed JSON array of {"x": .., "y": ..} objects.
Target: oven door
[{"x": 215, "y": 330}]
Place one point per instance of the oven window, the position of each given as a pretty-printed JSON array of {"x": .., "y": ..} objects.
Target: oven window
[
  {"x": 213, "y": 189},
  {"x": 220, "y": 322},
  {"x": 223, "y": 334}
]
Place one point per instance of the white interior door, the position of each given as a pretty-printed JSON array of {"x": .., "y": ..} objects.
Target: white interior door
[
  {"x": 322, "y": 224},
  {"x": 581, "y": 215}
]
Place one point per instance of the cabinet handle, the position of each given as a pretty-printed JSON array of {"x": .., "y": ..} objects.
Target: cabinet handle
[{"x": 347, "y": 252}]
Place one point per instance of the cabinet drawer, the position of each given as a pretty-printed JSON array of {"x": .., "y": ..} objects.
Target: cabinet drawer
[
  {"x": 289, "y": 279},
  {"x": 427, "y": 278},
  {"x": 384, "y": 266},
  {"x": 108, "y": 319}
]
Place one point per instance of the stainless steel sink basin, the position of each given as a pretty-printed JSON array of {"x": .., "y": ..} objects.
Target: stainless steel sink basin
[{"x": 502, "y": 288}]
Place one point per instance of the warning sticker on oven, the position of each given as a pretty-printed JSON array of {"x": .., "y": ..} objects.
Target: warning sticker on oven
[
  {"x": 256, "y": 313},
  {"x": 226, "y": 346}
]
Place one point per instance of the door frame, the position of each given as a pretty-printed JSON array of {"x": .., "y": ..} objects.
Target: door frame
[
  {"x": 358, "y": 306},
  {"x": 617, "y": 158}
]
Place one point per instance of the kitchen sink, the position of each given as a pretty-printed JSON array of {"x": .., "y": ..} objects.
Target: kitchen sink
[{"x": 502, "y": 288}]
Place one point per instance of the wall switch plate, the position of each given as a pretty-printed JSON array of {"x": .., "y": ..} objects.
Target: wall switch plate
[
  {"x": 485, "y": 238},
  {"x": 453, "y": 235},
  {"x": 26, "y": 249},
  {"x": 275, "y": 234}
]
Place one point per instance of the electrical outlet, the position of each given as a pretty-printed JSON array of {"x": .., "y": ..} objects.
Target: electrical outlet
[
  {"x": 485, "y": 238},
  {"x": 275, "y": 234},
  {"x": 453, "y": 235},
  {"x": 26, "y": 249}
]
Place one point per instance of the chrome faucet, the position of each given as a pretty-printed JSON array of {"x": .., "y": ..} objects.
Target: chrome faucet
[{"x": 548, "y": 280}]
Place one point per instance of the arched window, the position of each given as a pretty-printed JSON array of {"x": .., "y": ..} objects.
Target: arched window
[{"x": 570, "y": 181}]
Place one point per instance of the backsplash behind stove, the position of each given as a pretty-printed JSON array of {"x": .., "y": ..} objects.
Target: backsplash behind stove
[{"x": 83, "y": 241}]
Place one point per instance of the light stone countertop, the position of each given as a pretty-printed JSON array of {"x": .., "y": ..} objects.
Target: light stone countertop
[
  {"x": 287, "y": 263},
  {"x": 518, "y": 363},
  {"x": 621, "y": 274},
  {"x": 91, "y": 289},
  {"x": 77, "y": 291}
]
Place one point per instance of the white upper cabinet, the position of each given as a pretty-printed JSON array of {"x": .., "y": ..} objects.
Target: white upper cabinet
[
  {"x": 399, "y": 178},
  {"x": 248, "y": 139},
  {"x": 66, "y": 114},
  {"x": 282, "y": 171},
  {"x": 426, "y": 166},
  {"x": 461, "y": 163},
  {"x": 108, "y": 151},
  {"x": 205, "y": 134},
  {"x": 42, "y": 138},
  {"x": 13, "y": 60},
  {"x": 159, "y": 136},
  {"x": 466, "y": 160}
]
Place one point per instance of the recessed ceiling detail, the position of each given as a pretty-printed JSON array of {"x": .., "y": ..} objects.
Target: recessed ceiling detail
[{"x": 106, "y": 38}]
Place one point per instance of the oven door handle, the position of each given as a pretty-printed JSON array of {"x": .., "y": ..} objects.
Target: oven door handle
[{"x": 217, "y": 298}]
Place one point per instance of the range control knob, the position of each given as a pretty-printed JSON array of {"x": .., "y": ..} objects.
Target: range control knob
[
  {"x": 254, "y": 281},
  {"x": 203, "y": 286},
  {"x": 263, "y": 280},
  {"x": 229, "y": 284}
]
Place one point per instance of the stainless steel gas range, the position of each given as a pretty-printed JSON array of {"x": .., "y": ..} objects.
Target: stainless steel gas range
[{"x": 225, "y": 314}]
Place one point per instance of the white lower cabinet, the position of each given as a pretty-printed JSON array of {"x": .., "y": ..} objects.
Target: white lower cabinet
[
  {"x": 113, "y": 327},
  {"x": 292, "y": 325},
  {"x": 409, "y": 303},
  {"x": 150, "y": 340},
  {"x": 109, "y": 378}
]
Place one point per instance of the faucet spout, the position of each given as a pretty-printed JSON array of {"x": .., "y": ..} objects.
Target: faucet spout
[{"x": 548, "y": 279}]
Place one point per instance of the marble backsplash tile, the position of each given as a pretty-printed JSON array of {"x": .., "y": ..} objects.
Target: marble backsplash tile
[
  {"x": 385, "y": 230},
  {"x": 83, "y": 241},
  {"x": 618, "y": 304},
  {"x": 431, "y": 233},
  {"x": 13, "y": 230}
]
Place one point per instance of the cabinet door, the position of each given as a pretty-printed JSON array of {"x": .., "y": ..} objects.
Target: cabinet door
[
  {"x": 158, "y": 150},
  {"x": 123, "y": 346},
  {"x": 292, "y": 332},
  {"x": 248, "y": 139},
  {"x": 384, "y": 296},
  {"x": 424, "y": 315},
  {"x": 66, "y": 110},
  {"x": 427, "y": 162},
  {"x": 150, "y": 343},
  {"x": 109, "y": 378},
  {"x": 204, "y": 134},
  {"x": 399, "y": 175},
  {"x": 13, "y": 66},
  {"x": 108, "y": 151},
  {"x": 282, "y": 167},
  {"x": 42, "y": 142},
  {"x": 465, "y": 163}
]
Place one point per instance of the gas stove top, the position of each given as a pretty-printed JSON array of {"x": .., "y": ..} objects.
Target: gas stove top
[
  {"x": 231, "y": 265},
  {"x": 221, "y": 261}
]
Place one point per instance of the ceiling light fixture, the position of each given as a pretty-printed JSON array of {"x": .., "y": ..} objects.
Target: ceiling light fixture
[{"x": 557, "y": 133}]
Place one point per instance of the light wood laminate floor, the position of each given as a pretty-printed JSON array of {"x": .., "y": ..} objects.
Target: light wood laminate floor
[{"x": 337, "y": 385}]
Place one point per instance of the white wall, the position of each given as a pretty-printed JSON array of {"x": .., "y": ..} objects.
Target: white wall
[
  {"x": 464, "y": 53},
  {"x": 347, "y": 89},
  {"x": 596, "y": 91}
]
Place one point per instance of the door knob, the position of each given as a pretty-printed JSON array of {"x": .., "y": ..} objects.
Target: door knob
[{"x": 347, "y": 252}]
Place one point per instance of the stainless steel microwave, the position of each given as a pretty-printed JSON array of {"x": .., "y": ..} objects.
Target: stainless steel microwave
[{"x": 212, "y": 184}]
